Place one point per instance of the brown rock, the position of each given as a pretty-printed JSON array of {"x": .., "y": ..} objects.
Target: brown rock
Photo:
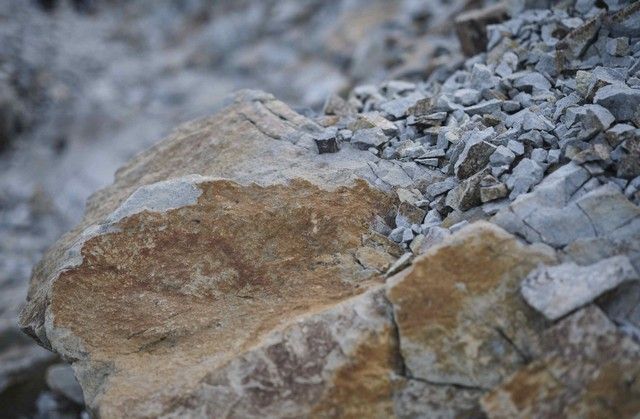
[
  {"x": 460, "y": 317},
  {"x": 466, "y": 194},
  {"x": 471, "y": 27},
  {"x": 589, "y": 370},
  {"x": 418, "y": 399},
  {"x": 336, "y": 363},
  {"x": 576, "y": 42},
  {"x": 205, "y": 247}
]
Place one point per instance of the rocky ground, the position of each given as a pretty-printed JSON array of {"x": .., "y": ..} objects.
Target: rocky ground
[
  {"x": 84, "y": 85},
  {"x": 462, "y": 239}
]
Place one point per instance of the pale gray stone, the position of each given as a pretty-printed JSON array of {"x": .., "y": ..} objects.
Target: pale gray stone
[
  {"x": 436, "y": 152},
  {"x": 438, "y": 188},
  {"x": 530, "y": 81},
  {"x": 622, "y": 101},
  {"x": 608, "y": 209},
  {"x": 467, "y": 97},
  {"x": 511, "y": 106},
  {"x": 533, "y": 121},
  {"x": 432, "y": 218},
  {"x": 61, "y": 380},
  {"x": 407, "y": 235},
  {"x": 507, "y": 65},
  {"x": 482, "y": 78},
  {"x": 618, "y": 46},
  {"x": 433, "y": 162},
  {"x": 160, "y": 197},
  {"x": 553, "y": 156},
  {"x": 503, "y": 156},
  {"x": 397, "y": 234},
  {"x": 370, "y": 137},
  {"x": 525, "y": 176},
  {"x": 399, "y": 108},
  {"x": 486, "y": 107},
  {"x": 557, "y": 290},
  {"x": 516, "y": 146},
  {"x": 539, "y": 155},
  {"x": 565, "y": 102}
]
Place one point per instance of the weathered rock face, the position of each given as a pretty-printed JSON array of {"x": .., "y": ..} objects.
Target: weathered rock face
[
  {"x": 589, "y": 369},
  {"x": 460, "y": 316},
  {"x": 199, "y": 251},
  {"x": 336, "y": 363}
]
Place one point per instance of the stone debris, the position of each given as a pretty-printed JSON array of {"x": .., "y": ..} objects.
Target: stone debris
[
  {"x": 473, "y": 158},
  {"x": 373, "y": 120},
  {"x": 370, "y": 137},
  {"x": 525, "y": 175},
  {"x": 328, "y": 143},
  {"x": 491, "y": 189},
  {"x": 622, "y": 101}
]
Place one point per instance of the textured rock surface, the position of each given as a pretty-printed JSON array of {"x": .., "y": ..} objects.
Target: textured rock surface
[
  {"x": 460, "y": 316},
  {"x": 588, "y": 369},
  {"x": 167, "y": 266}
]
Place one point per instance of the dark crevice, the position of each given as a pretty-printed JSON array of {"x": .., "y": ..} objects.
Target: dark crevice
[
  {"x": 526, "y": 358},
  {"x": 401, "y": 367},
  {"x": 593, "y": 227},
  {"x": 258, "y": 127}
]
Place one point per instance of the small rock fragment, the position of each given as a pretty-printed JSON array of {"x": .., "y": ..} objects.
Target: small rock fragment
[
  {"x": 328, "y": 143},
  {"x": 473, "y": 158},
  {"x": 530, "y": 82},
  {"x": 467, "y": 194},
  {"x": 618, "y": 47},
  {"x": 622, "y": 101},
  {"x": 370, "y": 137},
  {"x": 491, "y": 189},
  {"x": 402, "y": 262},
  {"x": 471, "y": 27},
  {"x": 439, "y": 188},
  {"x": 526, "y": 175},
  {"x": 373, "y": 120},
  {"x": 335, "y": 105},
  {"x": 467, "y": 97},
  {"x": 516, "y": 146}
]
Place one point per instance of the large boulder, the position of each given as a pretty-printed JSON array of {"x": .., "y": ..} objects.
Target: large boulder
[{"x": 214, "y": 266}]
